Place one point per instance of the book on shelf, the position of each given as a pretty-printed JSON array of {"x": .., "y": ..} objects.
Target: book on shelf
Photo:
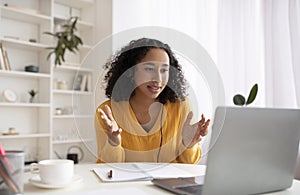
[
  {"x": 4, "y": 62},
  {"x": 1, "y": 60},
  {"x": 77, "y": 82},
  {"x": 86, "y": 83},
  {"x": 83, "y": 83},
  {"x": 2, "y": 67}
]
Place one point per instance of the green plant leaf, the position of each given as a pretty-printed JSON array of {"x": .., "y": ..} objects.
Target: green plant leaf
[
  {"x": 49, "y": 33},
  {"x": 32, "y": 92},
  {"x": 74, "y": 23},
  {"x": 66, "y": 40},
  {"x": 239, "y": 100},
  {"x": 252, "y": 94}
]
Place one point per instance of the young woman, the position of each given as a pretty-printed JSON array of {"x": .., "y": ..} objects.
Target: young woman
[{"x": 147, "y": 117}]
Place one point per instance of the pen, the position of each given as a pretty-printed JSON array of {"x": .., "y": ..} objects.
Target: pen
[
  {"x": 8, "y": 178},
  {"x": 110, "y": 174},
  {"x": 2, "y": 151},
  {"x": 5, "y": 171},
  {"x": 14, "y": 173},
  {"x": 3, "y": 157}
]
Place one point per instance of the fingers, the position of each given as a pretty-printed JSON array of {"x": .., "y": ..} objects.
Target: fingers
[
  {"x": 189, "y": 118},
  {"x": 202, "y": 119},
  {"x": 117, "y": 132},
  {"x": 194, "y": 133},
  {"x": 108, "y": 112},
  {"x": 106, "y": 118},
  {"x": 204, "y": 128},
  {"x": 103, "y": 115},
  {"x": 202, "y": 122},
  {"x": 112, "y": 129}
]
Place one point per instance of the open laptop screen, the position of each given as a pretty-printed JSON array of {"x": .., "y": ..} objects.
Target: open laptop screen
[{"x": 252, "y": 150}]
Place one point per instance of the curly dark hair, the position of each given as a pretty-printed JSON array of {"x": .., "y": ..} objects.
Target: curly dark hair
[{"x": 120, "y": 85}]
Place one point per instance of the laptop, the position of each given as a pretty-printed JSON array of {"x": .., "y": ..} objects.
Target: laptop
[{"x": 252, "y": 151}]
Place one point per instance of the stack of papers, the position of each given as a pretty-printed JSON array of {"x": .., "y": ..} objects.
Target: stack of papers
[{"x": 138, "y": 172}]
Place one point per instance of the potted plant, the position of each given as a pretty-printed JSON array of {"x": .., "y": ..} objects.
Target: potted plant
[
  {"x": 66, "y": 40},
  {"x": 240, "y": 100},
  {"x": 32, "y": 94}
]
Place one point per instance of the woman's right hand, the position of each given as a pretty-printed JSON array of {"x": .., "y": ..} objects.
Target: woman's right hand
[{"x": 113, "y": 130}]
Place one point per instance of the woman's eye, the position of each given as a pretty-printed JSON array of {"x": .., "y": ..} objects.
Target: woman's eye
[
  {"x": 149, "y": 69},
  {"x": 164, "y": 70}
]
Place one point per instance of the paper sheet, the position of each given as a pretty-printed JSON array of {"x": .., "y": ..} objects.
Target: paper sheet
[{"x": 139, "y": 172}]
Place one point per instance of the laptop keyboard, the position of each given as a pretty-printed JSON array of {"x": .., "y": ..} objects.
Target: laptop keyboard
[{"x": 191, "y": 189}]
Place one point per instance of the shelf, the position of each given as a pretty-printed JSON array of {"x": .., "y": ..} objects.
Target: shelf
[
  {"x": 27, "y": 20},
  {"x": 81, "y": 25},
  {"x": 34, "y": 135},
  {"x": 71, "y": 141},
  {"x": 72, "y": 116},
  {"x": 76, "y": 3},
  {"x": 24, "y": 16},
  {"x": 23, "y": 74},
  {"x": 24, "y": 44},
  {"x": 72, "y": 92},
  {"x": 72, "y": 68},
  {"x": 30, "y": 105}
]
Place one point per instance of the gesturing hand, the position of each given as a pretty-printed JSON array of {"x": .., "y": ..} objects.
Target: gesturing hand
[
  {"x": 192, "y": 134},
  {"x": 113, "y": 130}
]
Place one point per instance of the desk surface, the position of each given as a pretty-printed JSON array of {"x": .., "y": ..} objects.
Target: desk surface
[{"x": 91, "y": 184}]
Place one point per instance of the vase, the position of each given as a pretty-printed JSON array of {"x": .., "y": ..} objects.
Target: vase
[{"x": 31, "y": 99}]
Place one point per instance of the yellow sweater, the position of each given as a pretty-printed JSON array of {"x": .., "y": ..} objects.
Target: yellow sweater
[{"x": 137, "y": 145}]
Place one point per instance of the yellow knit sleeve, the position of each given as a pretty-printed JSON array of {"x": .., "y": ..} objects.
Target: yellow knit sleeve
[{"x": 189, "y": 155}]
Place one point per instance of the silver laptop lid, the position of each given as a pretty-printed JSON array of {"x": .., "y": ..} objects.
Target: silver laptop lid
[{"x": 255, "y": 151}]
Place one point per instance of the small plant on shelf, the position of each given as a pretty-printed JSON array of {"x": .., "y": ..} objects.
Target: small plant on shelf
[
  {"x": 32, "y": 94},
  {"x": 240, "y": 100},
  {"x": 66, "y": 40}
]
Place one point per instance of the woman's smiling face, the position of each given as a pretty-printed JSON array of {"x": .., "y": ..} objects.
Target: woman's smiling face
[{"x": 151, "y": 75}]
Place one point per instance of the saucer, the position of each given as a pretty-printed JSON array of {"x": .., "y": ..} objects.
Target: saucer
[{"x": 36, "y": 181}]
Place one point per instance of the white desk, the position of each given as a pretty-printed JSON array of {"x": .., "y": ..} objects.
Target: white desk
[{"x": 92, "y": 185}]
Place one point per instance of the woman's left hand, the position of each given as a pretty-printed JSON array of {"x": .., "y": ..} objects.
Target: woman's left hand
[{"x": 192, "y": 134}]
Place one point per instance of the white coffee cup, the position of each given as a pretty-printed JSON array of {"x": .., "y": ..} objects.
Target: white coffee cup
[{"x": 54, "y": 172}]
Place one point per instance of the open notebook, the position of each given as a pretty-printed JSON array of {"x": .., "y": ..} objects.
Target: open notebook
[{"x": 122, "y": 172}]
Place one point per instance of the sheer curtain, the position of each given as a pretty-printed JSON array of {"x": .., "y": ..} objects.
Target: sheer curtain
[
  {"x": 294, "y": 21},
  {"x": 259, "y": 42},
  {"x": 281, "y": 86},
  {"x": 241, "y": 48}
]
